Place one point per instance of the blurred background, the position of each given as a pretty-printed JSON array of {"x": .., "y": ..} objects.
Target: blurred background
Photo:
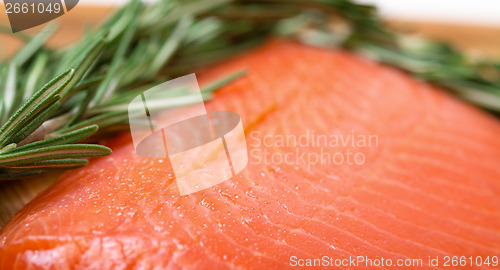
[
  {"x": 476, "y": 12},
  {"x": 479, "y": 12},
  {"x": 471, "y": 25}
]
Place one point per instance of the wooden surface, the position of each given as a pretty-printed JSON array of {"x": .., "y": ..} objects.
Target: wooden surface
[
  {"x": 481, "y": 41},
  {"x": 478, "y": 40},
  {"x": 71, "y": 27}
]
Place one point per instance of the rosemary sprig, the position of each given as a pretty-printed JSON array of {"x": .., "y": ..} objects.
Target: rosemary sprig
[{"x": 141, "y": 46}]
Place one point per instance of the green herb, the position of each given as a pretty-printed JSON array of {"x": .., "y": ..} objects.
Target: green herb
[{"x": 86, "y": 88}]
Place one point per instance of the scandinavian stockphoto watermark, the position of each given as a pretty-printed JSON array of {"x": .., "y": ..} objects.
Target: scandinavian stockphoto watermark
[
  {"x": 25, "y": 14},
  {"x": 447, "y": 261},
  {"x": 204, "y": 148},
  {"x": 310, "y": 148},
  {"x": 207, "y": 148}
]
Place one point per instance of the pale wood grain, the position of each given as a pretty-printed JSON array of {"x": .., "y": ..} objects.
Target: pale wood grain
[{"x": 479, "y": 40}]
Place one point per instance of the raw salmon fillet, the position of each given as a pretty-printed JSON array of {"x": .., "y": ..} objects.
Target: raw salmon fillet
[{"x": 428, "y": 186}]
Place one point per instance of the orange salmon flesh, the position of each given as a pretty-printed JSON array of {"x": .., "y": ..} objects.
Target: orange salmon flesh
[{"x": 346, "y": 157}]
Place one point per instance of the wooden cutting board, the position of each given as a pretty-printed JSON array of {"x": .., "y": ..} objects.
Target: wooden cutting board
[{"x": 481, "y": 41}]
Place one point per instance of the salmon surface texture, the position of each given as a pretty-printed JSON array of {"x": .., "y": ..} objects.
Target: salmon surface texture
[{"x": 424, "y": 182}]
